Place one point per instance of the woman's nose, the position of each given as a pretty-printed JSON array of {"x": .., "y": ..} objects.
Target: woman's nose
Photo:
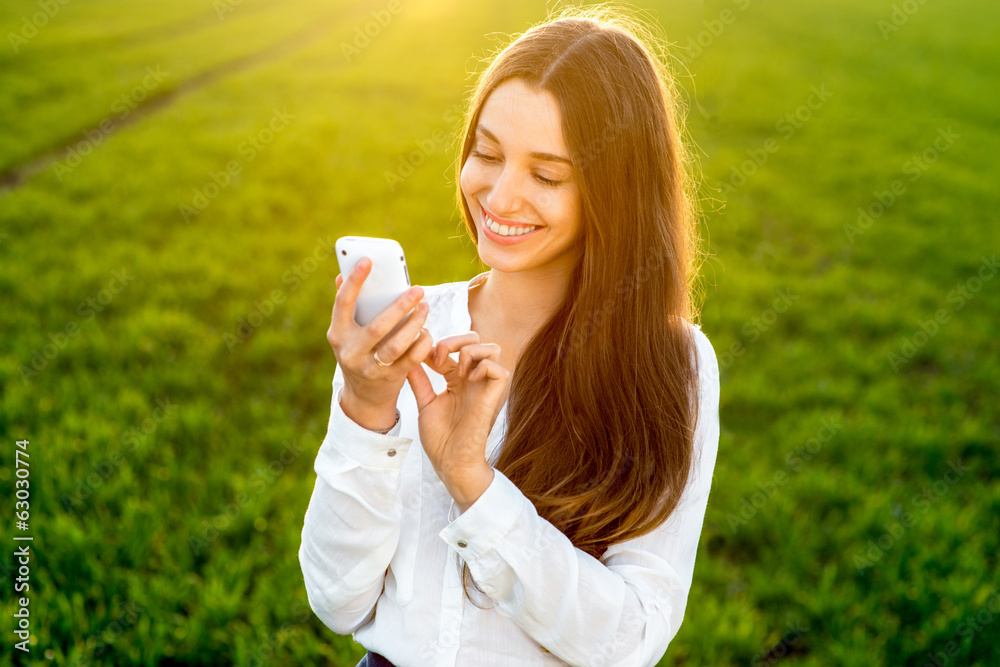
[{"x": 503, "y": 197}]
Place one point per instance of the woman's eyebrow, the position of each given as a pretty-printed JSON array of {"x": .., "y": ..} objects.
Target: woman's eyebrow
[{"x": 550, "y": 157}]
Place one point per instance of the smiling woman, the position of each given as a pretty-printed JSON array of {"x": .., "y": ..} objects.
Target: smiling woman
[
  {"x": 564, "y": 460},
  {"x": 521, "y": 192}
]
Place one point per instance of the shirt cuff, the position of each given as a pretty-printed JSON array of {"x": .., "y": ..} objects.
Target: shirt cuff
[
  {"x": 481, "y": 527},
  {"x": 367, "y": 448}
]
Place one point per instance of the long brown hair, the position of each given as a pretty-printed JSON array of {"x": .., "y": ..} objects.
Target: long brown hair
[{"x": 603, "y": 402}]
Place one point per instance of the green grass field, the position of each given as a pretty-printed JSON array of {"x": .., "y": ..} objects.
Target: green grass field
[{"x": 170, "y": 174}]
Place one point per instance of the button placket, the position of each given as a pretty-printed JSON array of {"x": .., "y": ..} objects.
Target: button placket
[
  {"x": 412, "y": 509},
  {"x": 449, "y": 630}
]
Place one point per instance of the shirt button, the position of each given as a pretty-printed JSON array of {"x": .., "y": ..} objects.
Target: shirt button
[
  {"x": 462, "y": 543},
  {"x": 392, "y": 452}
]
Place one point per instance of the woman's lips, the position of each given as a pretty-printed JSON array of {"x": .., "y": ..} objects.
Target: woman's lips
[{"x": 504, "y": 240}]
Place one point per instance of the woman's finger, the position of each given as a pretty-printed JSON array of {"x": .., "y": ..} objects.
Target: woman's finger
[
  {"x": 392, "y": 315},
  {"x": 346, "y": 300},
  {"x": 419, "y": 350},
  {"x": 488, "y": 369},
  {"x": 450, "y": 344},
  {"x": 469, "y": 354},
  {"x": 395, "y": 346},
  {"x": 421, "y": 386}
]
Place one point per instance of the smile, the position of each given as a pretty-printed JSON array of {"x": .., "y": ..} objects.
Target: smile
[{"x": 505, "y": 233}]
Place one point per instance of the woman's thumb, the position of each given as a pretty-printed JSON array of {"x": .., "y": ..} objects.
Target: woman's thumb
[{"x": 421, "y": 386}]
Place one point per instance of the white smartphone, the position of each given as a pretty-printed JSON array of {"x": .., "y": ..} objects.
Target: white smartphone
[{"x": 386, "y": 281}]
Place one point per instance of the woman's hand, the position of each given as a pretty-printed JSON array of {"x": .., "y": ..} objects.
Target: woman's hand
[
  {"x": 455, "y": 424},
  {"x": 371, "y": 391}
]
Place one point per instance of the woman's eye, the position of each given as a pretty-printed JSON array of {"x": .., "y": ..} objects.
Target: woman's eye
[
  {"x": 483, "y": 156},
  {"x": 489, "y": 158}
]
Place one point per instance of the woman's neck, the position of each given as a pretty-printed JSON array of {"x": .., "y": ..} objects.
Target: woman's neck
[{"x": 514, "y": 306}]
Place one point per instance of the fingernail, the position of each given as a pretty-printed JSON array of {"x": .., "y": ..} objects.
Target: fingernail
[{"x": 414, "y": 292}]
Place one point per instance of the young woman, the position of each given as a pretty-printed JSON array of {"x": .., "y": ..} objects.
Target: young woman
[{"x": 535, "y": 495}]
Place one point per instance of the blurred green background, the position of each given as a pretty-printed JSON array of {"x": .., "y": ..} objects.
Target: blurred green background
[{"x": 171, "y": 170}]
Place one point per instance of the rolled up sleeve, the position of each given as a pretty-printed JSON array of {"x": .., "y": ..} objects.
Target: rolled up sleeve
[
  {"x": 623, "y": 609},
  {"x": 352, "y": 524}
]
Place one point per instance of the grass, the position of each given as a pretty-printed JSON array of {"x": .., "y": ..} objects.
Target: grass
[{"x": 171, "y": 459}]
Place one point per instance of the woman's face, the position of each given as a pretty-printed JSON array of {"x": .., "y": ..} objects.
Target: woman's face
[{"x": 519, "y": 172}]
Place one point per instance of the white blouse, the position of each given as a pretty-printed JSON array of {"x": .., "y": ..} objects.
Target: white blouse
[{"x": 382, "y": 542}]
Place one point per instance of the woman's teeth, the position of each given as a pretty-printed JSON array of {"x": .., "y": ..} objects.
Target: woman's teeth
[{"x": 504, "y": 230}]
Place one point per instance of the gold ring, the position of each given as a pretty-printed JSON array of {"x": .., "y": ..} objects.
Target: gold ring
[{"x": 380, "y": 362}]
